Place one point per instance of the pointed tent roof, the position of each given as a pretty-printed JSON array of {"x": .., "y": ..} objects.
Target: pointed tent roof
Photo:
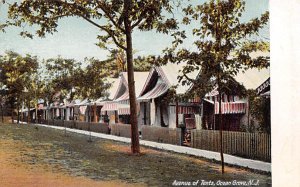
[
  {"x": 167, "y": 78},
  {"x": 172, "y": 71},
  {"x": 122, "y": 92},
  {"x": 252, "y": 78},
  {"x": 111, "y": 91}
]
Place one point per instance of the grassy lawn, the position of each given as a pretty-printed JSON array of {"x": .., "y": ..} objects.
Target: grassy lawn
[{"x": 49, "y": 158}]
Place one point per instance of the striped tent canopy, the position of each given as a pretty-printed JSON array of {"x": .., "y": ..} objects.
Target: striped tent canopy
[
  {"x": 185, "y": 109},
  {"x": 231, "y": 107},
  {"x": 229, "y": 104},
  {"x": 123, "y": 108}
]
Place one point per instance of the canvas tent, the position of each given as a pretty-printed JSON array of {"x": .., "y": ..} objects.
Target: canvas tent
[
  {"x": 118, "y": 110},
  {"x": 160, "y": 80}
]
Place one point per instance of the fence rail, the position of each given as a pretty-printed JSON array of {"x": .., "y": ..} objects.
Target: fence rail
[
  {"x": 162, "y": 134},
  {"x": 123, "y": 130},
  {"x": 243, "y": 144}
]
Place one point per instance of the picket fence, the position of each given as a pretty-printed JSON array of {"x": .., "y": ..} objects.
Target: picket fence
[{"x": 243, "y": 144}]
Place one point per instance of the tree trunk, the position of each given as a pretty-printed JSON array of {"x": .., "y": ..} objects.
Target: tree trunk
[
  {"x": 221, "y": 129},
  {"x": 2, "y": 117},
  {"x": 36, "y": 116},
  {"x": 95, "y": 113},
  {"x": 89, "y": 122},
  {"x": 12, "y": 113},
  {"x": 22, "y": 114},
  {"x": 135, "y": 144},
  {"x": 47, "y": 114},
  {"x": 28, "y": 117},
  {"x": 177, "y": 114},
  {"x": 218, "y": 60},
  {"x": 18, "y": 120},
  {"x": 248, "y": 116}
]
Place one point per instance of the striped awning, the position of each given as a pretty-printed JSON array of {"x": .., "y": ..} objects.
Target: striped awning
[
  {"x": 123, "y": 109},
  {"x": 184, "y": 110},
  {"x": 157, "y": 91},
  {"x": 109, "y": 106},
  {"x": 231, "y": 107}
]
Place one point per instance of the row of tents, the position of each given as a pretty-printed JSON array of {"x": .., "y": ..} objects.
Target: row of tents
[{"x": 152, "y": 89}]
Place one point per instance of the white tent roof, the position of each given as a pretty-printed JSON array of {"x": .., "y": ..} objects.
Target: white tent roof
[
  {"x": 114, "y": 86},
  {"x": 139, "y": 78},
  {"x": 252, "y": 78},
  {"x": 172, "y": 71},
  {"x": 111, "y": 92},
  {"x": 168, "y": 78}
]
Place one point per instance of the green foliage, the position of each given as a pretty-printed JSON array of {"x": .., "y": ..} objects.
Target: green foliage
[
  {"x": 2, "y": 27},
  {"x": 91, "y": 82},
  {"x": 18, "y": 77},
  {"x": 116, "y": 63},
  {"x": 260, "y": 109},
  {"x": 59, "y": 78},
  {"x": 224, "y": 45},
  {"x": 144, "y": 15},
  {"x": 144, "y": 63}
]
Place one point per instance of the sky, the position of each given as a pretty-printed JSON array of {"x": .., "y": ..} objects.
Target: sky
[{"x": 76, "y": 38}]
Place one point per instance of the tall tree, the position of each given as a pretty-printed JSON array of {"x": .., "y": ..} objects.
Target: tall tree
[
  {"x": 16, "y": 73},
  {"x": 116, "y": 18},
  {"x": 60, "y": 74},
  {"x": 224, "y": 47},
  {"x": 91, "y": 81}
]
